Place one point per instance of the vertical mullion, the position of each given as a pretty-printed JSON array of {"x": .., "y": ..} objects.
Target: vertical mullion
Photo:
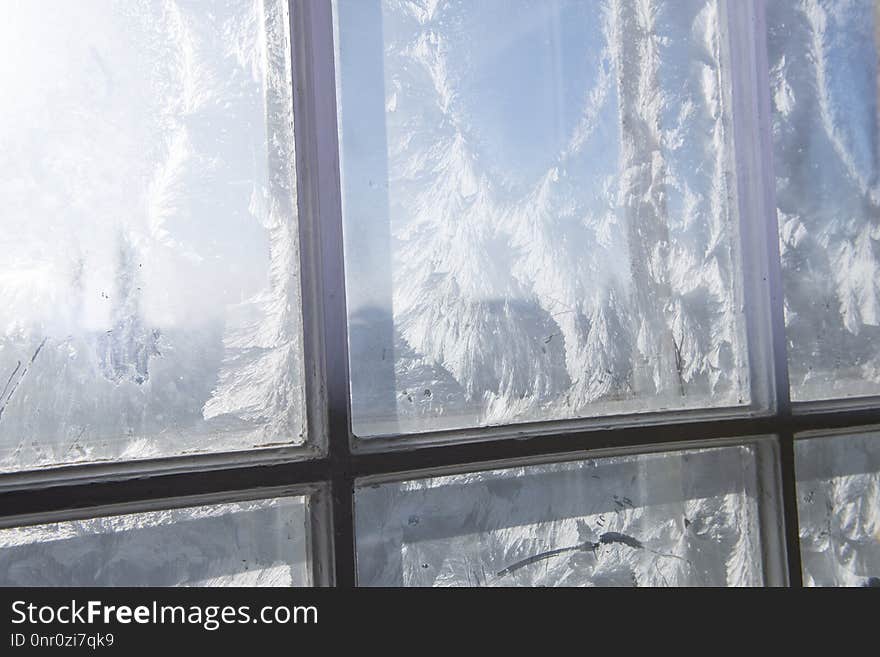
[
  {"x": 319, "y": 194},
  {"x": 790, "y": 511},
  {"x": 757, "y": 184}
]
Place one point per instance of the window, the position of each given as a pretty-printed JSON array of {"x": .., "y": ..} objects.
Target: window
[
  {"x": 540, "y": 213},
  {"x": 248, "y": 543},
  {"x": 437, "y": 292},
  {"x": 689, "y": 518},
  {"x": 827, "y": 193},
  {"x": 150, "y": 292},
  {"x": 838, "y": 503}
]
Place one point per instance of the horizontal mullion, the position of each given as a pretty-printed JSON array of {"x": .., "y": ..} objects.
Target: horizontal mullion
[
  {"x": 149, "y": 488},
  {"x": 425, "y": 458},
  {"x": 106, "y": 470},
  {"x": 343, "y": 468}
]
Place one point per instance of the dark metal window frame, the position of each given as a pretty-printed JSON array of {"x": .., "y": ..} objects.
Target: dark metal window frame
[{"x": 99, "y": 489}]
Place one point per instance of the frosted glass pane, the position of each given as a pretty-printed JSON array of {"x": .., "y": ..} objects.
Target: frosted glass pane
[
  {"x": 149, "y": 291},
  {"x": 670, "y": 519},
  {"x": 538, "y": 206},
  {"x": 838, "y": 488},
  {"x": 824, "y": 76},
  {"x": 261, "y": 543}
]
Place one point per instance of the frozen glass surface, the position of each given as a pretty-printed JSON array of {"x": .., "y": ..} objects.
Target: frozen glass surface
[
  {"x": 669, "y": 519},
  {"x": 260, "y": 543},
  {"x": 538, "y": 210},
  {"x": 149, "y": 291},
  {"x": 823, "y": 59},
  {"x": 838, "y": 488}
]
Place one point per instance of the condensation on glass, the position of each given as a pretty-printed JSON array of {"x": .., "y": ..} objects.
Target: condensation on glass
[
  {"x": 838, "y": 489},
  {"x": 255, "y": 543},
  {"x": 539, "y": 211},
  {"x": 823, "y": 58},
  {"x": 689, "y": 518},
  {"x": 149, "y": 284}
]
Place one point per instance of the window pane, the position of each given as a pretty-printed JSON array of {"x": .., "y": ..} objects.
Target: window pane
[
  {"x": 670, "y": 519},
  {"x": 838, "y": 488},
  {"x": 149, "y": 292},
  {"x": 259, "y": 543},
  {"x": 539, "y": 216},
  {"x": 823, "y": 58}
]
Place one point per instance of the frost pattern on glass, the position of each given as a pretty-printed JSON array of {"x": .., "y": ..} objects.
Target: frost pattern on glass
[
  {"x": 671, "y": 519},
  {"x": 538, "y": 211},
  {"x": 824, "y": 67},
  {"x": 149, "y": 286},
  {"x": 260, "y": 543},
  {"x": 838, "y": 489}
]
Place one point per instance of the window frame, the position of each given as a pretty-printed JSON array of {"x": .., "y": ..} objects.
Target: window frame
[{"x": 333, "y": 460}]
